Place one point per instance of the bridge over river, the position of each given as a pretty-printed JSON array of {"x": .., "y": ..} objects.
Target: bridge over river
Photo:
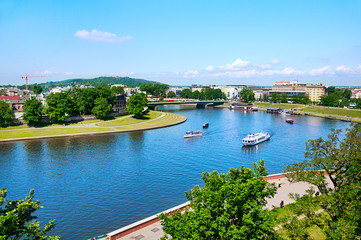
[{"x": 199, "y": 104}]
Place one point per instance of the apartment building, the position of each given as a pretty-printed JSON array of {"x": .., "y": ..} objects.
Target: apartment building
[{"x": 315, "y": 91}]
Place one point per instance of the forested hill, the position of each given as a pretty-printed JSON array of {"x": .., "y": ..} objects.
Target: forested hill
[
  {"x": 97, "y": 81},
  {"x": 130, "y": 82}
]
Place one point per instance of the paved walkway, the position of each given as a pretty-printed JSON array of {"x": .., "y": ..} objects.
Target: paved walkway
[{"x": 151, "y": 229}]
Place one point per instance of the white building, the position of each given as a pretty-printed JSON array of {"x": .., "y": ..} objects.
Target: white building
[
  {"x": 231, "y": 91},
  {"x": 176, "y": 90}
]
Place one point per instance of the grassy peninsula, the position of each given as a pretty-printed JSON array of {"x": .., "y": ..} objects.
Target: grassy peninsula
[{"x": 153, "y": 119}]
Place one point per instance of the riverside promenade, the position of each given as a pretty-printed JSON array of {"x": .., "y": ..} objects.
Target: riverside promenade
[{"x": 151, "y": 229}]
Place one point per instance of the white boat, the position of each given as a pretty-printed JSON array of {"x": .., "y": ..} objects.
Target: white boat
[
  {"x": 253, "y": 139},
  {"x": 190, "y": 134}
]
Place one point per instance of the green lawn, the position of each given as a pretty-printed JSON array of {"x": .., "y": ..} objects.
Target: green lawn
[
  {"x": 44, "y": 132},
  {"x": 51, "y": 125},
  {"x": 167, "y": 120},
  {"x": 279, "y": 105},
  {"x": 121, "y": 124},
  {"x": 314, "y": 231},
  {"x": 129, "y": 120},
  {"x": 334, "y": 111}
]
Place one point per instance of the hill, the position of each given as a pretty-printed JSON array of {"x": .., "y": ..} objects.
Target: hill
[{"x": 130, "y": 82}]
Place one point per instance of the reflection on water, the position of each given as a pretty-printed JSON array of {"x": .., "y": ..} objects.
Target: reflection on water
[
  {"x": 109, "y": 181},
  {"x": 255, "y": 148}
]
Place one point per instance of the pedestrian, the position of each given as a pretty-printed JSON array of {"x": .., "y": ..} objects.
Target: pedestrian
[
  {"x": 282, "y": 204},
  {"x": 317, "y": 193},
  {"x": 279, "y": 183}
]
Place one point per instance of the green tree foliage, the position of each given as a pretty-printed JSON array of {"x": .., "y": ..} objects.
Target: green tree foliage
[
  {"x": 6, "y": 114},
  {"x": 171, "y": 94},
  {"x": 211, "y": 94},
  {"x": 84, "y": 99},
  {"x": 347, "y": 94},
  {"x": 247, "y": 95},
  {"x": 228, "y": 206},
  {"x": 37, "y": 89},
  {"x": 284, "y": 98},
  {"x": 59, "y": 107},
  {"x": 185, "y": 93},
  {"x": 33, "y": 110},
  {"x": 336, "y": 97},
  {"x": 17, "y": 220},
  {"x": 196, "y": 94},
  {"x": 2, "y": 92},
  {"x": 300, "y": 99},
  {"x": 94, "y": 82},
  {"x": 136, "y": 104},
  {"x": 155, "y": 89},
  {"x": 102, "y": 108},
  {"x": 358, "y": 103},
  {"x": 336, "y": 212},
  {"x": 275, "y": 97},
  {"x": 118, "y": 89}
]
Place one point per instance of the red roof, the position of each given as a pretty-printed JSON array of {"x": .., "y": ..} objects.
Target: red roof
[{"x": 9, "y": 97}]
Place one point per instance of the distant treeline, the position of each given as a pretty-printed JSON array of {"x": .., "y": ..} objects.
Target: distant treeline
[{"x": 130, "y": 82}]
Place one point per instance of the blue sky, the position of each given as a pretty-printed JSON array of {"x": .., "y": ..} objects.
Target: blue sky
[{"x": 182, "y": 42}]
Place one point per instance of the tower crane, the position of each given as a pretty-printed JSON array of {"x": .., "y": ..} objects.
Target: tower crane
[{"x": 26, "y": 79}]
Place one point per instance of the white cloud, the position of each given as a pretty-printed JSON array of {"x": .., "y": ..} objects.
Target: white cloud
[
  {"x": 46, "y": 72},
  {"x": 190, "y": 74},
  {"x": 236, "y": 74},
  {"x": 285, "y": 71},
  {"x": 358, "y": 69},
  {"x": 69, "y": 73},
  {"x": 210, "y": 68},
  {"x": 263, "y": 66},
  {"x": 275, "y": 61},
  {"x": 99, "y": 36},
  {"x": 343, "y": 68},
  {"x": 326, "y": 70},
  {"x": 237, "y": 64}
]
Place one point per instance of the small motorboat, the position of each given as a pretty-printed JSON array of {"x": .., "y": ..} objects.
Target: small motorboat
[
  {"x": 205, "y": 125},
  {"x": 190, "y": 134},
  {"x": 289, "y": 120}
]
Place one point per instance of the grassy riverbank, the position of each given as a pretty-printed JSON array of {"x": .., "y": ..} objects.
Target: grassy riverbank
[
  {"x": 319, "y": 111},
  {"x": 152, "y": 120}
]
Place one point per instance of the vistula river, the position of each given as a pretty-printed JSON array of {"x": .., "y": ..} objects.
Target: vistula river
[{"x": 93, "y": 185}]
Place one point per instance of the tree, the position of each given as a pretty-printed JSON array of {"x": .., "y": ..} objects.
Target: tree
[
  {"x": 284, "y": 98},
  {"x": 118, "y": 89},
  {"x": 37, "y": 89},
  {"x": 171, "y": 94},
  {"x": 6, "y": 114},
  {"x": 17, "y": 220},
  {"x": 155, "y": 89},
  {"x": 247, "y": 95},
  {"x": 59, "y": 107},
  {"x": 196, "y": 94},
  {"x": 102, "y": 108},
  {"x": 33, "y": 109},
  {"x": 228, "y": 206},
  {"x": 83, "y": 100},
  {"x": 300, "y": 99},
  {"x": 185, "y": 93},
  {"x": 136, "y": 105},
  {"x": 336, "y": 212},
  {"x": 3, "y": 92},
  {"x": 347, "y": 94},
  {"x": 275, "y": 97}
]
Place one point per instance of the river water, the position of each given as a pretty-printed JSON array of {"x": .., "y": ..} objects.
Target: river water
[{"x": 95, "y": 184}]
